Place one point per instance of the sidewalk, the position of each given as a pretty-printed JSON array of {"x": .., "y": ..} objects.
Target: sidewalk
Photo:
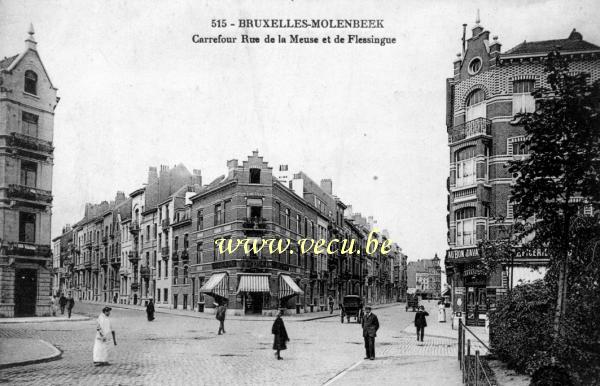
[
  {"x": 304, "y": 317},
  {"x": 444, "y": 329},
  {"x": 44, "y": 319},
  {"x": 18, "y": 352}
]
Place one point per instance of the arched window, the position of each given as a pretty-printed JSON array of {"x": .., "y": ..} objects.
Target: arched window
[
  {"x": 30, "y": 82},
  {"x": 475, "y": 105},
  {"x": 465, "y": 226},
  {"x": 465, "y": 166}
]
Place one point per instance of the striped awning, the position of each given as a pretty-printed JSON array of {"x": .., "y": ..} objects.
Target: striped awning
[
  {"x": 216, "y": 285},
  {"x": 287, "y": 287},
  {"x": 254, "y": 283}
]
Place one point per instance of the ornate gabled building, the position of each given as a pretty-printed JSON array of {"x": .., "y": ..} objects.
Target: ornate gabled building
[
  {"x": 27, "y": 103},
  {"x": 488, "y": 88}
]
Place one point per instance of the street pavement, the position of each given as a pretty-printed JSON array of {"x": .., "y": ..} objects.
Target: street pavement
[{"x": 175, "y": 349}]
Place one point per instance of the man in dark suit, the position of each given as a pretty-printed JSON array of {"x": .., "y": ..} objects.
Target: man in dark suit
[{"x": 370, "y": 325}]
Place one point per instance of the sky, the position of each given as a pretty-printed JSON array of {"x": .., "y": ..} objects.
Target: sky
[{"x": 137, "y": 92}]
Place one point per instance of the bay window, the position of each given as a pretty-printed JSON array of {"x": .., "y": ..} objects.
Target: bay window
[
  {"x": 465, "y": 226},
  {"x": 465, "y": 166}
]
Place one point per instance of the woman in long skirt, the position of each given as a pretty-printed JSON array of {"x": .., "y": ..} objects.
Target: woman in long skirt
[
  {"x": 281, "y": 336},
  {"x": 150, "y": 310},
  {"x": 441, "y": 312},
  {"x": 103, "y": 333}
]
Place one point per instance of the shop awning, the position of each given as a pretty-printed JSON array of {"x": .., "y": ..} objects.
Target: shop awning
[
  {"x": 254, "y": 283},
  {"x": 216, "y": 285},
  {"x": 287, "y": 287}
]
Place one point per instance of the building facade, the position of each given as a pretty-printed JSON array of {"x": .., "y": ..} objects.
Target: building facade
[
  {"x": 488, "y": 88},
  {"x": 27, "y": 103},
  {"x": 424, "y": 278}
]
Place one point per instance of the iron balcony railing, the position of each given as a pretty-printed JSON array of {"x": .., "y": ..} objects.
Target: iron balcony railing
[
  {"x": 472, "y": 128},
  {"x": 29, "y": 193},
  {"x": 30, "y": 143}
]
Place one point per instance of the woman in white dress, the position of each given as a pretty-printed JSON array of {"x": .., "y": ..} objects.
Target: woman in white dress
[
  {"x": 441, "y": 312},
  {"x": 103, "y": 333}
]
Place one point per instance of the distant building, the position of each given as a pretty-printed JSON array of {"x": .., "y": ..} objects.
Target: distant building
[
  {"x": 27, "y": 102},
  {"x": 425, "y": 278}
]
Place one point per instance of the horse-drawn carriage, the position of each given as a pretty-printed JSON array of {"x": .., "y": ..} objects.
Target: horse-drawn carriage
[
  {"x": 352, "y": 306},
  {"x": 412, "y": 302}
]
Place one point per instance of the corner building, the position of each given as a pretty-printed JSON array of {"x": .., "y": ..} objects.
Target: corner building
[
  {"x": 488, "y": 88},
  {"x": 27, "y": 102}
]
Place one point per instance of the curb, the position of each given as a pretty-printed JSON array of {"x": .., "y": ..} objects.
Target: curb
[
  {"x": 9, "y": 321},
  {"x": 57, "y": 354}
]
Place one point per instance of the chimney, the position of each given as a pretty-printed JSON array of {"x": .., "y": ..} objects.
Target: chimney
[
  {"x": 196, "y": 177},
  {"x": 152, "y": 174},
  {"x": 30, "y": 42},
  {"x": 477, "y": 29},
  {"x": 327, "y": 186}
]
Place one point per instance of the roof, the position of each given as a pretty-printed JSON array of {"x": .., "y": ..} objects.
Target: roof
[
  {"x": 574, "y": 42},
  {"x": 6, "y": 62}
]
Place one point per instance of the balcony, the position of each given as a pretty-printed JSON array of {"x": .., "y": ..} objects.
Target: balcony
[
  {"x": 26, "y": 249},
  {"x": 115, "y": 261},
  {"x": 185, "y": 256},
  {"x": 135, "y": 286},
  {"x": 29, "y": 193},
  {"x": 104, "y": 240},
  {"x": 145, "y": 272},
  {"x": 133, "y": 257},
  {"x": 254, "y": 224},
  {"x": 175, "y": 257},
  {"x": 104, "y": 262},
  {"x": 165, "y": 224},
  {"x": 30, "y": 143},
  {"x": 473, "y": 128},
  {"x": 165, "y": 253},
  {"x": 134, "y": 228}
]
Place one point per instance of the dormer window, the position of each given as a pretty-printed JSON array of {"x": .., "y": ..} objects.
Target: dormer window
[
  {"x": 255, "y": 176},
  {"x": 31, "y": 82},
  {"x": 474, "y": 65}
]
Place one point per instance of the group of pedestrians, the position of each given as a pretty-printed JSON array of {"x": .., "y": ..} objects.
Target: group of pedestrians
[{"x": 63, "y": 302}]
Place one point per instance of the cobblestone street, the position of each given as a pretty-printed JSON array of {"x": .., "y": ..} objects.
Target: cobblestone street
[{"x": 184, "y": 350}]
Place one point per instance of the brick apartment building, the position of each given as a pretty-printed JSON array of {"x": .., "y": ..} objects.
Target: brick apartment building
[
  {"x": 488, "y": 88},
  {"x": 27, "y": 102}
]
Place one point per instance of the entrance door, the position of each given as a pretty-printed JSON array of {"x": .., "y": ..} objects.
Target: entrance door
[
  {"x": 25, "y": 292},
  {"x": 476, "y": 306},
  {"x": 254, "y": 303},
  {"x": 185, "y": 301}
]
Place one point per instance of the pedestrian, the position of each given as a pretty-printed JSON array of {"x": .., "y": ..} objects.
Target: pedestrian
[
  {"x": 53, "y": 305},
  {"x": 115, "y": 298},
  {"x": 421, "y": 322},
  {"x": 150, "y": 310},
  {"x": 103, "y": 333},
  {"x": 62, "y": 302},
  {"x": 330, "y": 304},
  {"x": 441, "y": 312},
  {"x": 281, "y": 336},
  {"x": 220, "y": 315},
  {"x": 370, "y": 325},
  {"x": 70, "y": 305}
]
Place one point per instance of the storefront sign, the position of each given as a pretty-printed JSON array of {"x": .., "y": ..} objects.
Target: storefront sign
[{"x": 462, "y": 253}]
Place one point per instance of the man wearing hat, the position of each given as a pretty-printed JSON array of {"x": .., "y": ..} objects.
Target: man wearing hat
[
  {"x": 370, "y": 325},
  {"x": 103, "y": 332}
]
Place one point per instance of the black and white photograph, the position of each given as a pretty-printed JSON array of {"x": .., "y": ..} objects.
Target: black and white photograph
[{"x": 300, "y": 192}]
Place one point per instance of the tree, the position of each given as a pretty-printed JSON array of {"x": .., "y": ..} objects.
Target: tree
[{"x": 562, "y": 171}]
